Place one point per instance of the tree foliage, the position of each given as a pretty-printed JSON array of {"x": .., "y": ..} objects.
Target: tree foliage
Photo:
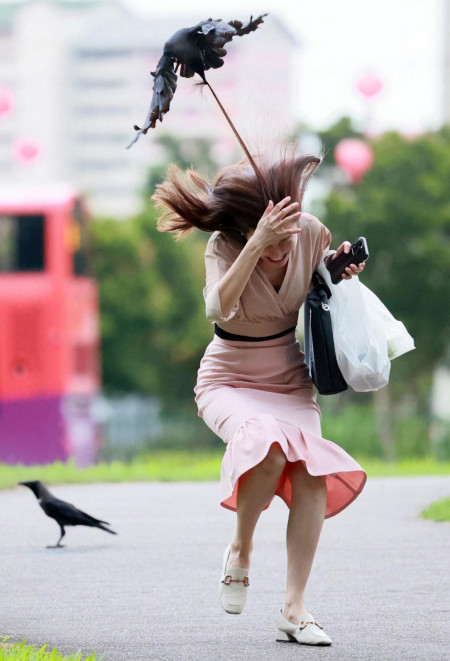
[
  {"x": 331, "y": 136},
  {"x": 153, "y": 323},
  {"x": 152, "y": 313},
  {"x": 195, "y": 152},
  {"x": 403, "y": 208}
]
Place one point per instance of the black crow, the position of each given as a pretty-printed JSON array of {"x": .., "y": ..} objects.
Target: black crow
[{"x": 64, "y": 513}]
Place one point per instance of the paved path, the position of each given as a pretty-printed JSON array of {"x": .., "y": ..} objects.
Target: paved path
[{"x": 380, "y": 582}]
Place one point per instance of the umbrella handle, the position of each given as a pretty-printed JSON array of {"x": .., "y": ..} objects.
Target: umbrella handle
[{"x": 242, "y": 143}]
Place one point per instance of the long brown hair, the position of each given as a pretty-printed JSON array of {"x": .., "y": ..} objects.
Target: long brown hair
[{"x": 235, "y": 201}]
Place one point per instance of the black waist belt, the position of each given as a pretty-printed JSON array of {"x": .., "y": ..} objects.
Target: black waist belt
[{"x": 245, "y": 338}]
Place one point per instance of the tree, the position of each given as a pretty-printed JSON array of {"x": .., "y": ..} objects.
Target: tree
[
  {"x": 153, "y": 323},
  {"x": 403, "y": 208},
  {"x": 152, "y": 313},
  {"x": 330, "y": 137},
  {"x": 190, "y": 152}
]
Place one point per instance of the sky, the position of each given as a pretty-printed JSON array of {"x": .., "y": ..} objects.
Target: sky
[{"x": 400, "y": 41}]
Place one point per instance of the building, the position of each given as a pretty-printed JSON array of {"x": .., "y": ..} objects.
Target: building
[
  {"x": 446, "y": 42},
  {"x": 49, "y": 329},
  {"x": 74, "y": 79}
]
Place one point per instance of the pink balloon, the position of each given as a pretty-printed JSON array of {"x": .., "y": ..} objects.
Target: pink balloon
[
  {"x": 6, "y": 101},
  {"x": 369, "y": 85},
  {"x": 355, "y": 157},
  {"x": 27, "y": 150}
]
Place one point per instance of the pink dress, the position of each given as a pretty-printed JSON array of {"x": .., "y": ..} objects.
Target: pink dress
[{"x": 255, "y": 394}]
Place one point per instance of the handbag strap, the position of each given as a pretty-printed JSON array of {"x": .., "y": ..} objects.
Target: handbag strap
[{"x": 318, "y": 281}]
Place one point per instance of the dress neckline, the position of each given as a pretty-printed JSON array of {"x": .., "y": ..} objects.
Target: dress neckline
[
  {"x": 287, "y": 276},
  {"x": 285, "y": 279}
]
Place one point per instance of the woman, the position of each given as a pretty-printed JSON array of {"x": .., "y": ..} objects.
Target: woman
[{"x": 253, "y": 388}]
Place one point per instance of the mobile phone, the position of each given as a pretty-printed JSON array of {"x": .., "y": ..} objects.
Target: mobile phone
[{"x": 359, "y": 252}]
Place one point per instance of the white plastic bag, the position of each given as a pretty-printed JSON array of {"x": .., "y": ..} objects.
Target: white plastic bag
[
  {"x": 399, "y": 341},
  {"x": 366, "y": 336}
]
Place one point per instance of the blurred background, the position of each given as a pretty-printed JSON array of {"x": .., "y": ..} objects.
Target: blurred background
[{"x": 102, "y": 322}]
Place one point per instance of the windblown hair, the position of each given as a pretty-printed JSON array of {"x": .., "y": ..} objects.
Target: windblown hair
[{"x": 236, "y": 199}]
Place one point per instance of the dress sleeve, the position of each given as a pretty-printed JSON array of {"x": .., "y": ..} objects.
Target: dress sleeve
[
  {"x": 218, "y": 259},
  {"x": 322, "y": 245}
]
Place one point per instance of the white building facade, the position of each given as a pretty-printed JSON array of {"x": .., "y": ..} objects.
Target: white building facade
[{"x": 74, "y": 79}]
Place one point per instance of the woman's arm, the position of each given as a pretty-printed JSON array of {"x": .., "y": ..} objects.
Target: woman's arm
[
  {"x": 233, "y": 282},
  {"x": 270, "y": 229}
]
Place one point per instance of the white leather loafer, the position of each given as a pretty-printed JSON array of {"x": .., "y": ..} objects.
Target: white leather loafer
[
  {"x": 307, "y": 632},
  {"x": 233, "y": 586}
]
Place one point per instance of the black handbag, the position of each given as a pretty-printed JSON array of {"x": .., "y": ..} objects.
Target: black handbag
[{"x": 320, "y": 355}]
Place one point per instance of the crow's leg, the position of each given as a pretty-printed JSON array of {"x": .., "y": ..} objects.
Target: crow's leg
[{"x": 58, "y": 544}]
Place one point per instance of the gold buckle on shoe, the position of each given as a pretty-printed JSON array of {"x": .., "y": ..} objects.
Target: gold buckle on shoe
[
  {"x": 305, "y": 624},
  {"x": 227, "y": 580}
]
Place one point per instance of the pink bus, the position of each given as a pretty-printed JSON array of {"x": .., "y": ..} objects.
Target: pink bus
[{"x": 49, "y": 329}]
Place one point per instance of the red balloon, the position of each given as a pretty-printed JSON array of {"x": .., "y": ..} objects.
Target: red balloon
[
  {"x": 369, "y": 85},
  {"x": 6, "y": 101},
  {"x": 355, "y": 157},
  {"x": 27, "y": 150}
]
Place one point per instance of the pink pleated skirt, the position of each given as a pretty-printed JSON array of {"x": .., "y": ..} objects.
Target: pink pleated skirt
[{"x": 255, "y": 394}]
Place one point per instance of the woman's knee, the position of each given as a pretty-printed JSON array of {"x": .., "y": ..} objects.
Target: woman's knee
[{"x": 274, "y": 462}]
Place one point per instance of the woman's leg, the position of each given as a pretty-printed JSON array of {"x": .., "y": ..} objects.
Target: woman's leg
[
  {"x": 256, "y": 488},
  {"x": 305, "y": 522}
]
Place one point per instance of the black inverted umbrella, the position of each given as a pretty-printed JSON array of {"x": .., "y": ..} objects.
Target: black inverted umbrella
[{"x": 193, "y": 51}]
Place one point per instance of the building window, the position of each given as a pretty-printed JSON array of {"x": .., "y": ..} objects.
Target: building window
[
  {"x": 85, "y": 165},
  {"x": 103, "y": 54},
  {"x": 103, "y": 138},
  {"x": 97, "y": 83},
  {"x": 21, "y": 243},
  {"x": 85, "y": 361},
  {"x": 82, "y": 244},
  {"x": 103, "y": 111}
]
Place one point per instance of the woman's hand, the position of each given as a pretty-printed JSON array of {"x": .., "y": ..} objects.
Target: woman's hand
[
  {"x": 276, "y": 223},
  {"x": 353, "y": 269}
]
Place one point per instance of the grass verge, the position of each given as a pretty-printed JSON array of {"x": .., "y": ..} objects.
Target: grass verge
[
  {"x": 438, "y": 511},
  {"x": 23, "y": 652},
  {"x": 173, "y": 466},
  {"x": 183, "y": 466}
]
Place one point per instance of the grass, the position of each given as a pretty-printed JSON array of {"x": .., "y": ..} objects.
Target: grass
[
  {"x": 23, "y": 652},
  {"x": 404, "y": 467},
  {"x": 183, "y": 466},
  {"x": 438, "y": 511},
  {"x": 173, "y": 466}
]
